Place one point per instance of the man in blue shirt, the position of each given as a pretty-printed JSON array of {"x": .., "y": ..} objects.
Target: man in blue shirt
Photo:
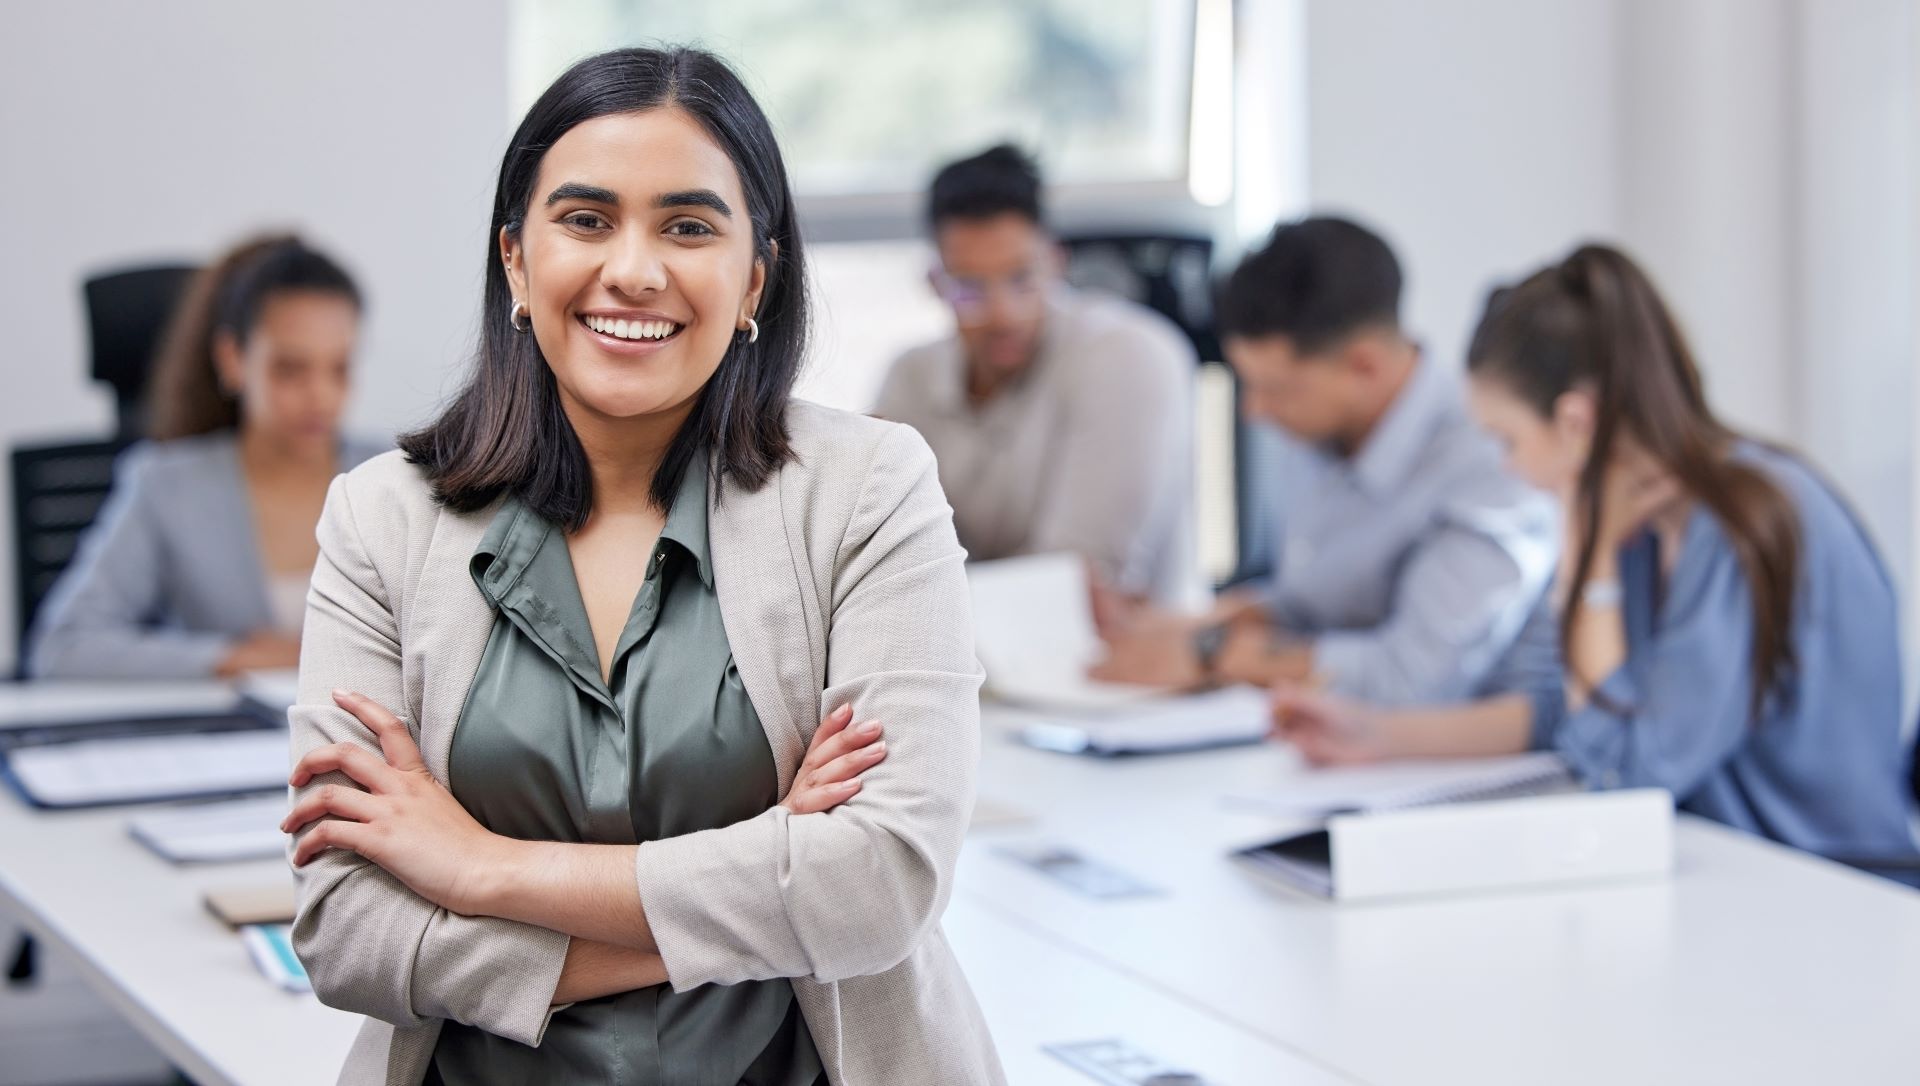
[{"x": 1408, "y": 563}]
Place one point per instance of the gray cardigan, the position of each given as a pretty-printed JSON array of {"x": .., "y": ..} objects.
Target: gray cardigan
[
  {"x": 839, "y": 581},
  {"x": 169, "y": 576}
]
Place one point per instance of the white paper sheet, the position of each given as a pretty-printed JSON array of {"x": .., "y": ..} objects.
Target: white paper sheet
[
  {"x": 128, "y": 770},
  {"x": 1321, "y": 792},
  {"x": 1033, "y": 629}
]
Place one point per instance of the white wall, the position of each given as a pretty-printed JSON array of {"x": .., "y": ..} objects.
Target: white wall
[
  {"x": 1477, "y": 135},
  {"x": 137, "y": 130},
  {"x": 1756, "y": 155},
  {"x": 1859, "y": 130},
  {"x": 1709, "y": 188}
]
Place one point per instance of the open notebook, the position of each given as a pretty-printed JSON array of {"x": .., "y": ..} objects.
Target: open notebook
[
  {"x": 1033, "y": 630},
  {"x": 1217, "y": 718},
  {"x": 147, "y": 761}
]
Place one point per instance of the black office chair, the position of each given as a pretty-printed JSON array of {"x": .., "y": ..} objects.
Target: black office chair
[
  {"x": 1170, "y": 274},
  {"x": 57, "y": 491},
  {"x": 58, "y": 488},
  {"x": 126, "y": 313},
  {"x": 1903, "y": 869},
  {"x": 1173, "y": 275}
]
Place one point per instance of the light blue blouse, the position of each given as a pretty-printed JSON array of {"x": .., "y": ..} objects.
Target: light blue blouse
[
  {"x": 1414, "y": 565},
  {"x": 1821, "y": 769},
  {"x": 170, "y": 574}
]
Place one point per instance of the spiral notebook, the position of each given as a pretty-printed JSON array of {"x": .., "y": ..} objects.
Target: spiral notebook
[{"x": 1322, "y": 793}]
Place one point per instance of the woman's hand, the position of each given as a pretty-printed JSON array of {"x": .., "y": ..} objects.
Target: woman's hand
[
  {"x": 1152, "y": 649},
  {"x": 399, "y": 817},
  {"x": 1255, "y": 653},
  {"x": 1327, "y": 729},
  {"x": 830, "y": 773},
  {"x": 1632, "y": 493},
  {"x": 260, "y": 651}
]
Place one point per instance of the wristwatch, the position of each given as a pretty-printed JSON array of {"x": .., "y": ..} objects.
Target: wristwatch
[{"x": 1207, "y": 643}]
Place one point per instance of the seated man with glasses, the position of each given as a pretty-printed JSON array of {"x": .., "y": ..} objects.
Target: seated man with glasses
[{"x": 1061, "y": 420}]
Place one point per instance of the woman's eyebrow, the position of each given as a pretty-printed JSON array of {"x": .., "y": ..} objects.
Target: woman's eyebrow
[
  {"x": 706, "y": 198},
  {"x": 574, "y": 190}
]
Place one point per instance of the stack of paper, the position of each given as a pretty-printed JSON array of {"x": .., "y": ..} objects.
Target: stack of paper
[
  {"x": 1228, "y": 717},
  {"x": 1033, "y": 630}
]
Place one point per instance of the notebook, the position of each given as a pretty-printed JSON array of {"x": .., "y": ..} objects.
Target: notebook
[
  {"x": 236, "y": 829},
  {"x": 1033, "y": 630},
  {"x": 220, "y": 760},
  {"x": 1227, "y": 717},
  {"x": 271, "y": 948},
  {"x": 1518, "y": 841}
]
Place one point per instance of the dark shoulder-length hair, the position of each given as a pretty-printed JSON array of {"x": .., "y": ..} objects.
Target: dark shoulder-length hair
[
  {"x": 1595, "y": 320},
  {"x": 505, "y": 432},
  {"x": 227, "y": 296}
]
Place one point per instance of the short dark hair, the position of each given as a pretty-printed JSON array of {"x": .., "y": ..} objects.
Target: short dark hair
[
  {"x": 505, "y": 432},
  {"x": 1316, "y": 281},
  {"x": 998, "y": 180},
  {"x": 228, "y": 296}
]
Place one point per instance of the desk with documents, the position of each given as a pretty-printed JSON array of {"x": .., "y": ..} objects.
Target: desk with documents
[{"x": 1752, "y": 964}]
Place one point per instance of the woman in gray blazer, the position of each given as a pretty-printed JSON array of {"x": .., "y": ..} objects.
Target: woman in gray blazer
[
  {"x": 565, "y": 654},
  {"x": 199, "y": 561}
]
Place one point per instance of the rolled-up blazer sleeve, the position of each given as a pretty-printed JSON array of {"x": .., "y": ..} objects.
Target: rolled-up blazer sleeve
[
  {"x": 852, "y": 891},
  {"x": 370, "y": 944}
]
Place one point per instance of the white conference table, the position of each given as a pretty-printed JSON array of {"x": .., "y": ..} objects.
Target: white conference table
[
  {"x": 1753, "y": 964},
  {"x": 134, "y": 925},
  {"x": 135, "y": 928}
]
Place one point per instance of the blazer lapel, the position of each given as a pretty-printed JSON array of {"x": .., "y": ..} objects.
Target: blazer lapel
[
  {"x": 757, "y": 573},
  {"x": 438, "y": 663}
]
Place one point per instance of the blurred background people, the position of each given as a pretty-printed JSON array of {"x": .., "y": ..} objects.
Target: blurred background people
[
  {"x": 1729, "y": 631},
  {"x": 1409, "y": 559},
  {"x": 1061, "y": 419},
  {"x": 198, "y": 564}
]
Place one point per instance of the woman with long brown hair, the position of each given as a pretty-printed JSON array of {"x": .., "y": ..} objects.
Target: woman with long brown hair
[
  {"x": 199, "y": 562},
  {"x": 565, "y": 808},
  {"x": 1728, "y": 630}
]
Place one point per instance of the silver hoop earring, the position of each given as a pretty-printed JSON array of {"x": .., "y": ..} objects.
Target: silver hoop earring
[
  {"x": 517, "y": 316},
  {"x": 753, "y": 330}
]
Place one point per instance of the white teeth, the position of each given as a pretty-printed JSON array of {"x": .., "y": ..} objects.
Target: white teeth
[{"x": 625, "y": 329}]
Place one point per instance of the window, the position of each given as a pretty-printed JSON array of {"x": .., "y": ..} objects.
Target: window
[{"x": 868, "y": 96}]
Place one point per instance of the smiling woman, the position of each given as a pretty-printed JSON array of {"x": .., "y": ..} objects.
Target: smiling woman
[{"x": 562, "y": 810}]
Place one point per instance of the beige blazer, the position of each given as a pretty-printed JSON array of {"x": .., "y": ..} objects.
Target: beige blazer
[{"x": 840, "y": 580}]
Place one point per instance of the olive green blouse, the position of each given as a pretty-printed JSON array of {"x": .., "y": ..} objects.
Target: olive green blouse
[{"x": 669, "y": 745}]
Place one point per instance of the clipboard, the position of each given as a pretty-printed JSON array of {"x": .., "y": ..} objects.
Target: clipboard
[{"x": 107, "y": 763}]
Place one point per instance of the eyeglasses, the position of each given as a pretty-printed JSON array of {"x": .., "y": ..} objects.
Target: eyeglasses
[{"x": 970, "y": 297}]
